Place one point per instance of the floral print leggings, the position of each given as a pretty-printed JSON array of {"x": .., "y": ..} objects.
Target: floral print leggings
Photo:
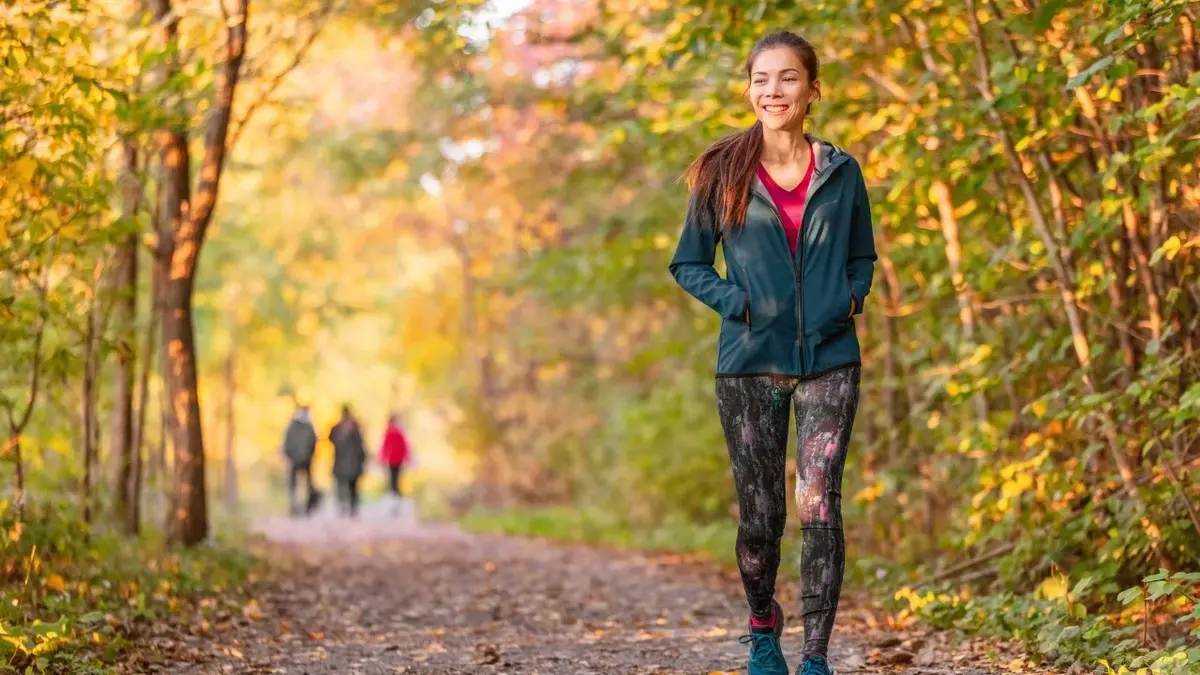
[{"x": 755, "y": 412}]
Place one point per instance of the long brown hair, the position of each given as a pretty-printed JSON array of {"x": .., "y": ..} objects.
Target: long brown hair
[{"x": 719, "y": 179}]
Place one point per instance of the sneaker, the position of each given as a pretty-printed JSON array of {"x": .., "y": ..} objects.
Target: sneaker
[
  {"x": 766, "y": 657},
  {"x": 815, "y": 665}
]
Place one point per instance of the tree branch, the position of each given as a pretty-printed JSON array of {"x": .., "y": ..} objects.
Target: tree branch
[
  {"x": 18, "y": 426},
  {"x": 277, "y": 80},
  {"x": 217, "y": 132}
]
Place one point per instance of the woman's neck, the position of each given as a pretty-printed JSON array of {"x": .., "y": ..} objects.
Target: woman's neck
[{"x": 784, "y": 147}]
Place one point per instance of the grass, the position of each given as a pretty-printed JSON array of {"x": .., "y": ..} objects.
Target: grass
[{"x": 72, "y": 599}]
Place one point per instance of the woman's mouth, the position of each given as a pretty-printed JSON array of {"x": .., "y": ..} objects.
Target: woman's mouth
[{"x": 777, "y": 108}]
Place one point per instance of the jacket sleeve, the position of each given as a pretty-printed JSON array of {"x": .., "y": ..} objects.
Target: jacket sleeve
[
  {"x": 692, "y": 267},
  {"x": 860, "y": 261}
]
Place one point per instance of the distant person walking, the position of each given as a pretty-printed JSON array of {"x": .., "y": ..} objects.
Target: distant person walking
[
  {"x": 792, "y": 216},
  {"x": 299, "y": 444},
  {"x": 349, "y": 456},
  {"x": 394, "y": 454}
]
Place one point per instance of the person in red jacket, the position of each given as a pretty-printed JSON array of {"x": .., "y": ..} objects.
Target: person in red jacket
[{"x": 394, "y": 453}]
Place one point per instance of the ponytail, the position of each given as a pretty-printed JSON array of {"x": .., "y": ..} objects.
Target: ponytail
[{"x": 720, "y": 179}]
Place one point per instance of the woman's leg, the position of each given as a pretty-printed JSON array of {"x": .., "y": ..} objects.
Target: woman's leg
[
  {"x": 394, "y": 480},
  {"x": 293, "y": 472},
  {"x": 343, "y": 496},
  {"x": 825, "y": 409},
  {"x": 754, "y": 416}
]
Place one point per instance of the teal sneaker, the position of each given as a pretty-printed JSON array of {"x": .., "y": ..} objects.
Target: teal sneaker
[
  {"x": 815, "y": 665},
  {"x": 766, "y": 656}
]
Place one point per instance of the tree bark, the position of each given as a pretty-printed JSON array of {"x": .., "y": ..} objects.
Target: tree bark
[
  {"x": 148, "y": 362},
  {"x": 962, "y": 290},
  {"x": 123, "y": 443},
  {"x": 91, "y": 368},
  {"x": 188, "y": 220},
  {"x": 231, "y": 476}
]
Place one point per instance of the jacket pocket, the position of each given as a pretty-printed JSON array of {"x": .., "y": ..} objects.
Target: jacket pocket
[{"x": 829, "y": 312}]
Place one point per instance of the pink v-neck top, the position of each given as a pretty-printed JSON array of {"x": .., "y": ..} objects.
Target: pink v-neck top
[{"x": 790, "y": 203}]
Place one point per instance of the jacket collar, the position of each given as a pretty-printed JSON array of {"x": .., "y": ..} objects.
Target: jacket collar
[{"x": 825, "y": 156}]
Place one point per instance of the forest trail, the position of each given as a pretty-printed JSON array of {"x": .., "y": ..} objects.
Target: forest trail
[{"x": 388, "y": 595}]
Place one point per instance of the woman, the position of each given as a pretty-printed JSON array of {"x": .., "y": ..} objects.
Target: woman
[
  {"x": 393, "y": 453},
  {"x": 349, "y": 456},
  {"x": 792, "y": 216}
]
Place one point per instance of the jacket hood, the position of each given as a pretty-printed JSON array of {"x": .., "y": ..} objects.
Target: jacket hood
[{"x": 825, "y": 154}]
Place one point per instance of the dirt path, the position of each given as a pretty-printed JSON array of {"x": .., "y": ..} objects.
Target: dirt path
[{"x": 386, "y": 596}]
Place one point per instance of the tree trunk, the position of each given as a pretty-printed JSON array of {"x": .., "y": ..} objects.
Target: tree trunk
[
  {"x": 231, "y": 476},
  {"x": 188, "y": 522},
  {"x": 187, "y": 220},
  {"x": 90, "y": 375},
  {"x": 124, "y": 446},
  {"x": 962, "y": 290},
  {"x": 148, "y": 363},
  {"x": 18, "y": 423},
  {"x": 148, "y": 359},
  {"x": 19, "y": 498}
]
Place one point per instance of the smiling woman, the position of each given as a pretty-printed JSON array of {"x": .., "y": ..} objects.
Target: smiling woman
[{"x": 792, "y": 216}]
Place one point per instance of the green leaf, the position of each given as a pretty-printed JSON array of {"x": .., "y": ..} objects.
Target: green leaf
[
  {"x": 1081, "y": 587},
  {"x": 1068, "y": 633},
  {"x": 1115, "y": 33},
  {"x": 1089, "y": 72},
  {"x": 1161, "y": 575},
  {"x": 91, "y": 617},
  {"x": 1130, "y": 595}
]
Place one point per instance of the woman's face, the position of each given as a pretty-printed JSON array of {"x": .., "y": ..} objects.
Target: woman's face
[{"x": 780, "y": 90}]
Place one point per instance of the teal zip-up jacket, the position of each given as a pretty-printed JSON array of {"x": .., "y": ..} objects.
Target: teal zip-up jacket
[{"x": 800, "y": 321}]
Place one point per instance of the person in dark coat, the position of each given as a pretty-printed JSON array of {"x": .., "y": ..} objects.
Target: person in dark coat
[
  {"x": 299, "y": 445},
  {"x": 349, "y": 456}
]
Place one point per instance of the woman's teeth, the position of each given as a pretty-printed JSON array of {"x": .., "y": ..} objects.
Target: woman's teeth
[{"x": 776, "y": 108}]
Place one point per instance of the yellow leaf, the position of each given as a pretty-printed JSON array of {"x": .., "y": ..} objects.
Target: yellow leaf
[
  {"x": 56, "y": 583},
  {"x": 1039, "y": 408},
  {"x": 1172, "y": 246},
  {"x": 23, "y": 170},
  {"x": 1053, "y": 587}
]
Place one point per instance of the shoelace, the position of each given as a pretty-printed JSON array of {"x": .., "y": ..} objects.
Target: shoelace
[{"x": 762, "y": 645}]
